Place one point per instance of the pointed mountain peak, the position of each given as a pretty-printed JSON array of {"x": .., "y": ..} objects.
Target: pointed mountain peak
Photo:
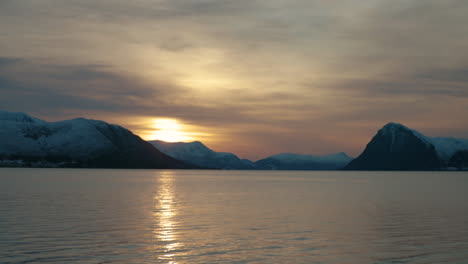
[
  {"x": 397, "y": 147},
  {"x": 398, "y": 130}
]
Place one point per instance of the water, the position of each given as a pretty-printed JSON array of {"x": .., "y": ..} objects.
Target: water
[{"x": 151, "y": 216}]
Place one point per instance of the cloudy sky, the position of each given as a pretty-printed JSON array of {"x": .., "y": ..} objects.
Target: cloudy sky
[{"x": 254, "y": 77}]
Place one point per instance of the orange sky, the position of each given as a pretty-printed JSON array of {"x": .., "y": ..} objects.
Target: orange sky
[{"x": 251, "y": 77}]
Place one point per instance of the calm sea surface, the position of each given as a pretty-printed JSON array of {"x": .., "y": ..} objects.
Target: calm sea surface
[{"x": 157, "y": 216}]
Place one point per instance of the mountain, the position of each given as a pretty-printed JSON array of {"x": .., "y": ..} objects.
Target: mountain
[
  {"x": 28, "y": 141},
  {"x": 288, "y": 161},
  {"x": 452, "y": 151},
  {"x": 397, "y": 147},
  {"x": 198, "y": 154}
]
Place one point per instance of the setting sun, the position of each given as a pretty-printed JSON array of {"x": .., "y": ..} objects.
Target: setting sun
[{"x": 169, "y": 130}]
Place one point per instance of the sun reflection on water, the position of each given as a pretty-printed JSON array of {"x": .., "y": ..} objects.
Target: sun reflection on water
[{"x": 165, "y": 212}]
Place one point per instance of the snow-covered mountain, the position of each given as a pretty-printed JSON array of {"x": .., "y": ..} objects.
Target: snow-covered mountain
[
  {"x": 198, "y": 154},
  {"x": 28, "y": 141},
  {"x": 289, "y": 161},
  {"x": 397, "y": 147}
]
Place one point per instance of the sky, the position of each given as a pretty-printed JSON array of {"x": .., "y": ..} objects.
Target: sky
[{"x": 256, "y": 77}]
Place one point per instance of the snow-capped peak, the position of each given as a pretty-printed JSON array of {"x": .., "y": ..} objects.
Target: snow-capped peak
[
  {"x": 197, "y": 153},
  {"x": 80, "y": 141},
  {"x": 18, "y": 117},
  {"x": 445, "y": 147},
  {"x": 395, "y": 130}
]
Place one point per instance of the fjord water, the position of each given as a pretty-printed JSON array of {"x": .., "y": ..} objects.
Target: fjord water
[{"x": 164, "y": 216}]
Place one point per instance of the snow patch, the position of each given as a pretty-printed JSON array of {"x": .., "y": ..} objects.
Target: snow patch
[
  {"x": 21, "y": 134},
  {"x": 197, "y": 153},
  {"x": 444, "y": 146},
  {"x": 396, "y": 130},
  {"x": 447, "y": 147}
]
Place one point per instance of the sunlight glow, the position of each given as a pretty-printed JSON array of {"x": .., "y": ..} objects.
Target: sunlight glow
[{"x": 169, "y": 130}]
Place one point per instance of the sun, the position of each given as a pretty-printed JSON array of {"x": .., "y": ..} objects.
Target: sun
[{"x": 169, "y": 130}]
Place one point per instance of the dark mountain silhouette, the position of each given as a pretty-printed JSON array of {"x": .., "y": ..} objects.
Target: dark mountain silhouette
[{"x": 397, "y": 147}]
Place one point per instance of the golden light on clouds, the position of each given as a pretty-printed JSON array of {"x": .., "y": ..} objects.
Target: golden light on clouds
[
  {"x": 242, "y": 72},
  {"x": 170, "y": 130}
]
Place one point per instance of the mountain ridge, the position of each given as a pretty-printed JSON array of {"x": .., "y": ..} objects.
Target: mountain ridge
[
  {"x": 199, "y": 154},
  {"x": 77, "y": 142},
  {"x": 80, "y": 142},
  {"x": 291, "y": 161}
]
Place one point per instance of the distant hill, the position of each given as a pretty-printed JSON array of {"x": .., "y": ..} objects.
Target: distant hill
[
  {"x": 198, "y": 154},
  {"x": 397, "y": 147},
  {"x": 28, "y": 141},
  {"x": 288, "y": 161}
]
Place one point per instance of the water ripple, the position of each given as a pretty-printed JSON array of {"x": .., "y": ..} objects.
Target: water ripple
[{"x": 179, "y": 217}]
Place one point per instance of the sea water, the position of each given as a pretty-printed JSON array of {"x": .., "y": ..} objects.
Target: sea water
[{"x": 197, "y": 216}]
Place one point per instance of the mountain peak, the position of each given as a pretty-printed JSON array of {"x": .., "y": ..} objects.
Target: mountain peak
[
  {"x": 198, "y": 143},
  {"x": 78, "y": 142},
  {"x": 18, "y": 117},
  {"x": 392, "y": 126},
  {"x": 397, "y": 147},
  {"x": 197, "y": 153}
]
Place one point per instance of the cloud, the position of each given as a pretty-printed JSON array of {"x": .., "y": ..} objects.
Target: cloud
[
  {"x": 454, "y": 75},
  {"x": 244, "y": 69},
  {"x": 6, "y": 61},
  {"x": 59, "y": 87},
  {"x": 65, "y": 88}
]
